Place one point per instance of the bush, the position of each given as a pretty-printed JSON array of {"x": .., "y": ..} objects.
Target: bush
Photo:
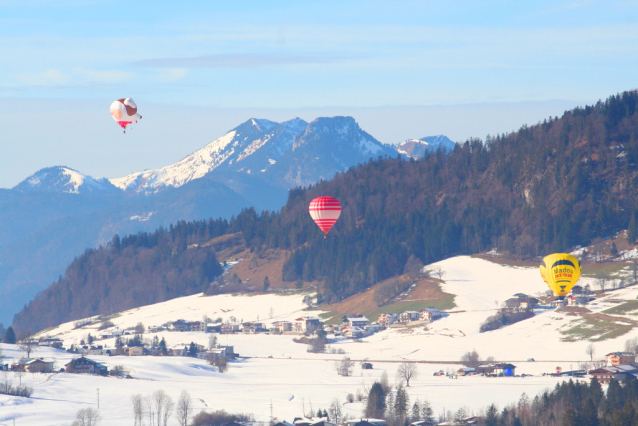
[
  {"x": 106, "y": 324},
  {"x": 219, "y": 417}
]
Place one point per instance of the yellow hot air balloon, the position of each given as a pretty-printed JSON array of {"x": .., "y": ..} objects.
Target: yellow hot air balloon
[{"x": 560, "y": 271}]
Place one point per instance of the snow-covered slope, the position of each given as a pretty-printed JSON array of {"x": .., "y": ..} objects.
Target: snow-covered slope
[
  {"x": 63, "y": 179},
  {"x": 261, "y": 140},
  {"x": 280, "y": 371},
  {"x": 416, "y": 148}
]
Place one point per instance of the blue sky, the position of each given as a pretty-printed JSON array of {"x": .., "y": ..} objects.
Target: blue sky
[{"x": 207, "y": 65}]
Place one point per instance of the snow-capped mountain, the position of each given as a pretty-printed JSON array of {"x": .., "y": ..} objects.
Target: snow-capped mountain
[
  {"x": 327, "y": 145},
  {"x": 252, "y": 147},
  {"x": 287, "y": 154},
  {"x": 416, "y": 148},
  {"x": 60, "y": 179}
]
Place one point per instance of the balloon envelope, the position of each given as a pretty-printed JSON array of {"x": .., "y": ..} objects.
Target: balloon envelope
[
  {"x": 560, "y": 271},
  {"x": 325, "y": 211},
  {"x": 124, "y": 112}
]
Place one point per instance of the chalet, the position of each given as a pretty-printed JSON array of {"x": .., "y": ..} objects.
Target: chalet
[
  {"x": 212, "y": 354},
  {"x": 408, "y": 316},
  {"x": 354, "y": 332},
  {"x": 229, "y": 351},
  {"x": 323, "y": 422},
  {"x": 465, "y": 371},
  {"x": 503, "y": 369},
  {"x": 284, "y": 423},
  {"x": 178, "y": 350},
  {"x": 4, "y": 367},
  {"x": 366, "y": 366},
  {"x": 93, "y": 350},
  {"x": 432, "y": 314},
  {"x": 424, "y": 423},
  {"x": 135, "y": 351},
  {"x": 38, "y": 365},
  {"x": 386, "y": 319},
  {"x": 283, "y": 326},
  {"x": 252, "y": 327},
  {"x": 86, "y": 366},
  {"x": 197, "y": 326},
  {"x": 620, "y": 358},
  {"x": 616, "y": 372},
  {"x": 355, "y": 320},
  {"x": 306, "y": 324},
  {"x": 230, "y": 328},
  {"x": 366, "y": 422},
  {"x": 463, "y": 421},
  {"x": 180, "y": 325},
  {"x": 213, "y": 327}
]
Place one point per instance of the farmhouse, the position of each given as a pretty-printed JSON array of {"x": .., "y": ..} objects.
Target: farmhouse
[
  {"x": 306, "y": 324},
  {"x": 502, "y": 369},
  {"x": 84, "y": 365},
  {"x": 38, "y": 365},
  {"x": 386, "y": 319},
  {"x": 283, "y": 326},
  {"x": 135, "y": 351},
  {"x": 356, "y": 320},
  {"x": 408, "y": 316},
  {"x": 432, "y": 314},
  {"x": 620, "y": 358},
  {"x": 230, "y": 328},
  {"x": 617, "y": 372}
]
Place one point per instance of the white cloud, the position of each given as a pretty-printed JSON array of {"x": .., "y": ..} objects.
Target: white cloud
[{"x": 172, "y": 74}]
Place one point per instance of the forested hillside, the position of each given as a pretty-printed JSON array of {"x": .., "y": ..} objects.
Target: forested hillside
[
  {"x": 544, "y": 188},
  {"x": 138, "y": 270}
]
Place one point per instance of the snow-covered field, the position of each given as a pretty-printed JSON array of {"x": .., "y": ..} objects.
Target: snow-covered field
[{"x": 293, "y": 378}]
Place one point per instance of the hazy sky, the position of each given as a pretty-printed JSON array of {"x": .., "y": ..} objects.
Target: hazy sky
[{"x": 199, "y": 68}]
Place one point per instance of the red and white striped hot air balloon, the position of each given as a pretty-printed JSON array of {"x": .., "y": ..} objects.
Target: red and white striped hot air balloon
[
  {"x": 124, "y": 112},
  {"x": 325, "y": 211}
]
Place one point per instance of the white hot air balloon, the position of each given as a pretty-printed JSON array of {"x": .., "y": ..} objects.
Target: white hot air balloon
[{"x": 124, "y": 112}]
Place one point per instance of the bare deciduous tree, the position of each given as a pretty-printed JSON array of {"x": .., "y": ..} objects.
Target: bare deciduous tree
[
  {"x": 335, "y": 411},
  {"x": 344, "y": 367},
  {"x": 87, "y": 417},
  {"x": 28, "y": 345},
  {"x": 590, "y": 351},
  {"x": 138, "y": 408},
  {"x": 471, "y": 359},
  {"x": 631, "y": 345},
  {"x": 407, "y": 371},
  {"x": 184, "y": 408},
  {"x": 162, "y": 406}
]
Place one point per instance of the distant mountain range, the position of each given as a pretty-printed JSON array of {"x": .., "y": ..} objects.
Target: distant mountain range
[
  {"x": 417, "y": 148},
  {"x": 56, "y": 213}
]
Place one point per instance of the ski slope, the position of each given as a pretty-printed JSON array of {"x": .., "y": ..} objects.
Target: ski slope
[{"x": 274, "y": 368}]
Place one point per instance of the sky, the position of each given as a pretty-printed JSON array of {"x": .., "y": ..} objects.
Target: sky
[{"x": 198, "y": 69}]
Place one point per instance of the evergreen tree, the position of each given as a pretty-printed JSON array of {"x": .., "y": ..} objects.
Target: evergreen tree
[
  {"x": 401, "y": 403},
  {"x": 589, "y": 414},
  {"x": 162, "y": 347},
  {"x": 2, "y": 331},
  {"x": 491, "y": 416},
  {"x": 416, "y": 411},
  {"x": 266, "y": 283},
  {"x": 632, "y": 229},
  {"x": 9, "y": 336},
  {"x": 192, "y": 350},
  {"x": 376, "y": 401},
  {"x": 427, "y": 413},
  {"x": 570, "y": 418},
  {"x": 389, "y": 412},
  {"x": 614, "y": 249}
]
